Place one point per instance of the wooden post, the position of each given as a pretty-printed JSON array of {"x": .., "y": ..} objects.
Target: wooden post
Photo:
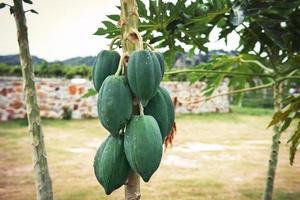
[{"x": 42, "y": 177}]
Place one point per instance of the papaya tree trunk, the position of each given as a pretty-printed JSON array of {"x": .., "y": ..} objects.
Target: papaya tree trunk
[
  {"x": 268, "y": 193},
  {"x": 42, "y": 177},
  {"x": 131, "y": 40}
]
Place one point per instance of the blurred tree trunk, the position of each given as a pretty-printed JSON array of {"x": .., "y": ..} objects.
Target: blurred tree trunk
[
  {"x": 268, "y": 193},
  {"x": 42, "y": 177}
]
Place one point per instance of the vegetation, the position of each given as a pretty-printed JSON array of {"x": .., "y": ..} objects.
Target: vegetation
[
  {"x": 50, "y": 70},
  {"x": 267, "y": 56},
  {"x": 42, "y": 178},
  {"x": 134, "y": 77},
  {"x": 228, "y": 147}
]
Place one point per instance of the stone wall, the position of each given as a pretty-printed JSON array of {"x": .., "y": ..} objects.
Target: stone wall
[{"x": 56, "y": 94}]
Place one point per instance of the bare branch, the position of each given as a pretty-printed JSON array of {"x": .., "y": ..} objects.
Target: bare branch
[
  {"x": 229, "y": 93},
  {"x": 217, "y": 72}
]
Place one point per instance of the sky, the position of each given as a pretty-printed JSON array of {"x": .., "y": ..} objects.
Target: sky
[{"x": 64, "y": 29}]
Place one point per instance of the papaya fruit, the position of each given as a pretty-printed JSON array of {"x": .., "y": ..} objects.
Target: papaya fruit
[
  {"x": 110, "y": 164},
  {"x": 106, "y": 64},
  {"x": 144, "y": 74},
  {"x": 162, "y": 109},
  {"x": 142, "y": 144},
  {"x": 161, "y": 61},
  {"x": 114, "y": 103}
]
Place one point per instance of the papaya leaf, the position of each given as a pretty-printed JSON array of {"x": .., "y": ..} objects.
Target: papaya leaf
[
  {"x": 207, "y": 91},
  {"x": 114, "y": 17},
  {"x": 193, "y": 77},
  {"x": 89, "y": 93},
  {"x": 33, "y": 11},
  {"x": 289, "y": 111},
  {"x": 141, "y": 8},
  {"x": 294, "y": 143},
  {"x": 109, "y": 25},
  {"x": 11, "y": 10},
  {"x": 277, "y": 117},
  {"x": 111, "y": 30},
  {"x": 286, "y": 123},
  {"x": 2, "y": 5},
  {"x": 153, "y": 8},
  {"x": 28, "y": 1}
]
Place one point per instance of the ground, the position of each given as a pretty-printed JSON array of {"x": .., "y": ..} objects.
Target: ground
[{"x": 214, "y": 156}]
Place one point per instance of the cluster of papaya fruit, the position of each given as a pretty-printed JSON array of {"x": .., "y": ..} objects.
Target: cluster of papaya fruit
[{"x": 135, "y": 140}]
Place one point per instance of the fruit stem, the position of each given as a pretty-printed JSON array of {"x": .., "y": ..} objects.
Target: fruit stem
[
  {"x": 113, "y": 42},
  {"x": 150, "y": 46},
  {"x": 141, "y": 108},
  {"x": 120, "y": 65}
]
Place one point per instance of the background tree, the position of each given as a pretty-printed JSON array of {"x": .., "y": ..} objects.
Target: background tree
[
  {"x": 268, "y": 54},
  {"x": 42, "y": 177}
]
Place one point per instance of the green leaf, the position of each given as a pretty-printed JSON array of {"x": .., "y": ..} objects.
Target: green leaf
[
  {"x": 2, "y": 5},
  {"x": 285, "y": 124},
  {"x": 89, "y": 93},
  {"x": 109, "y": 25},
  {"x": 11, "y": 10},
  {"x": 153, "y": 8},
  {"x": 295, "y": 141},
  {"x": 114, "y": 17},
  {"x": 111, "y": 30},
  {"x": 141, "y": 9},
  {"x": 277, "y": 117},
  {"x": 33, "y": 11},
  {"x": 28, "y": 1}
]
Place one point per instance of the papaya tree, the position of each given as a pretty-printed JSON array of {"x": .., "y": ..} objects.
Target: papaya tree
[
  {"x": 267, "y": 57},
  {"x": 41, "y": 171},
  {"x": 132, "y": 107}
]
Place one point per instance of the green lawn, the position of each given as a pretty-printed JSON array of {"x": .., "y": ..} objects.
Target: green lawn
[{"x": 214, "y": 156}]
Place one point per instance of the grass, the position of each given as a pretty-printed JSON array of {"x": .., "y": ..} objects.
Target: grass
[{"x": 214, "y": 156}]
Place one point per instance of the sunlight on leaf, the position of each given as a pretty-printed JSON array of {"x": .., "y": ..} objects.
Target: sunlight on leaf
[{"x": 89, "y": 93}]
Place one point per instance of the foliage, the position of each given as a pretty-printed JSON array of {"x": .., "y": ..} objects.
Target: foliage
[
  {"x": 49, "y": 70},
  {"x": 269, "y": 38},
  {"x": 67, "y": 113},
  {"x": 256, "y": 99},
  {"x": 174, "y": 24},
  {"x": 241, "y": 74},
  {"x": 290, "y": 113},
  {"x": 89, "y": 93}
]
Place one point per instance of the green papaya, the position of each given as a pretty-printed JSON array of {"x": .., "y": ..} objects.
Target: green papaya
[
  {"x": 142, "y": 144},
  {"x": 162, "y": 109},
  {"x": 144, "y": 75},
  {"x": 106, "y": 64},
  {"x": 114, "y": 103},
  {"x": 160, "y": 58},
  {"x": 110, "y": 164}
]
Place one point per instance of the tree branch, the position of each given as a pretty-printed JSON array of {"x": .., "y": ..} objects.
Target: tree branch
[
  {"x": 113, "y": 42},
  {"x": 257, "y": 63},
  {"x": 216, "y": 72},
  {"x": 288, "y": 77},
  {"x": 271, "y": 60},
  {"x": 229, "y": 93},
  {"x": 5, "y": 4},
  {"x": 267, "y": 50}
]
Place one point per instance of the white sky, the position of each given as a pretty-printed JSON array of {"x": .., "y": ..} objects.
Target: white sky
[{"x": 64, "y": 29}]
